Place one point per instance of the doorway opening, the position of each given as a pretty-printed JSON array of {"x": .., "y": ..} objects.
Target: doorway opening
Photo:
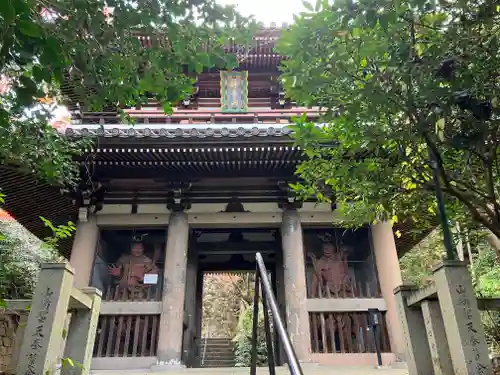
[{"x": 226, "y": 264}]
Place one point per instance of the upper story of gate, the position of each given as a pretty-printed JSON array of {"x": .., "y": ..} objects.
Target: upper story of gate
[{"x": 248, "y": 95}]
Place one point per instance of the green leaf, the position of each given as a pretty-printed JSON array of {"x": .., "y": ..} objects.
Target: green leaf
[
  {"x": 167, "y": 108},
  {"x": 384, "y": 22},
  {"x": 7, "y": 11},
  {"x": 308, "y": 5},
  {"x": 440, "y": 124},
  {"x": 29, "y": 28}
]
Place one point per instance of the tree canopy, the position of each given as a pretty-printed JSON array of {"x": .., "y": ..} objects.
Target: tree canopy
[
  {"x": 397, "y": 79},
  {"x": 87, "y": 52}
]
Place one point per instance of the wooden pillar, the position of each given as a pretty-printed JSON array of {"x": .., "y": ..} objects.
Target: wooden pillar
[
  {"x": 84, "y": 249},
  {"x": 81, "y": 335},
  {"x": 389, "y": 276},
  {"x": 297, "y": 316},
  {"x": 40, "y": 351},
  {"x": 174, "y": 286}
]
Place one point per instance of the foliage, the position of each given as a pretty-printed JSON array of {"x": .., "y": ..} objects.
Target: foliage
[
  {"x": 416, "y": 265},
  {"x": 224, "y": 295},
  {"x": 397, "y": 79},
  {"x": 87, "y": 53},
  {"x": 243, "y": 338},
  {"x": 486, "y": 279},
  {"x": 228, "y": 312},
  {"x": 21, "y": 255}
]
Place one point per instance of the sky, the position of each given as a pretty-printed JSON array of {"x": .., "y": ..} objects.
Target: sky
[{"x": 267, "y": 11}]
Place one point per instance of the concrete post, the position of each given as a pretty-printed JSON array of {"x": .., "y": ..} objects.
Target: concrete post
[
  {"x": 418, "y": 357},
  {"x": 436, "y": 336},
  {"x": 174, "y": 287},
  {"x": 81, "y": 335},
  {"x": 389, "y": 276},
  {"x": 41, "y": 346},
  {"x": 297, "y": 316},
  {"x": 462, "y": 322},
  {"x": 83, "y": 251}
]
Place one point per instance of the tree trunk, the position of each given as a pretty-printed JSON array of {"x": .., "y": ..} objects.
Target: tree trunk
[{"x": 494, "y": 242}]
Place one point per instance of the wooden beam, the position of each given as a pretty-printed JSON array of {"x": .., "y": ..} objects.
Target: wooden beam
[
  {"x": 130, "y": 308},
  {"x": 345, "y": 304}
]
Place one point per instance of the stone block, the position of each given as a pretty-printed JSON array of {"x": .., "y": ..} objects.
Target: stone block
[{"x": 462, "y": 322}]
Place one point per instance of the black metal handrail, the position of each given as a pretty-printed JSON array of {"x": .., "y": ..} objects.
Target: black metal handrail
[{"x": 269, "y": 303}]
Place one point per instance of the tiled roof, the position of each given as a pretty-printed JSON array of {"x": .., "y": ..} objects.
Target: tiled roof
[{"x": 176, "y": 131}]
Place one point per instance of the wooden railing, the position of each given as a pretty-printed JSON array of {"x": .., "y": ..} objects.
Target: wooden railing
[
  {"x": 127, "y": 336},
  {"x": 203, "y": 115},
  {"x": 345, "y": 332},
  {"x": 127, "y": 329},
  {"x": 115, "y": 292}
]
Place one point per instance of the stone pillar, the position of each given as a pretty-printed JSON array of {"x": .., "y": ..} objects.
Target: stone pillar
[
  {"x": 418, "y": 356},
  {"x": 199, "y": 319},
  {"x": 174, "y": 287},
  {"x": 18, "y": 341},
  {"x": 389, "y": 276},
  {"x": 189, "y": 347},
  {"x": 84, "y": 249},
  {"x": 462, "y": 322},
  {"x": 40, "y": 351},
  {"x": 280, "y": 298},
  {"x": 436, "y": 336},
  {"x": 297, "y": 316},
  {"x": 81, "y": 335}
]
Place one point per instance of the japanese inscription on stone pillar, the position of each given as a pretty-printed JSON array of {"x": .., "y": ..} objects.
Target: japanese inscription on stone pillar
[
  {"x": 39, "y": 334},
  {"x": 476, "y": 364}
]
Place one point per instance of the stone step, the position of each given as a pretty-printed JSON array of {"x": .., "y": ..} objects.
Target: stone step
[
  {"x": 218, "y": 342},
  {"x": 218, "y": 346},
  {"x": 223, "y": 349},
  {"x": 222, "y": 355},
  {"x": 218, "y": 363}
]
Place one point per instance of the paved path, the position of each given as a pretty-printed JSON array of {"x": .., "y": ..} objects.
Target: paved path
[{"x": 316, "y": 370}]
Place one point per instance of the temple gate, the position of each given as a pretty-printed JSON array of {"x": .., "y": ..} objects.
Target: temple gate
[{"x": 204, "y": 189}]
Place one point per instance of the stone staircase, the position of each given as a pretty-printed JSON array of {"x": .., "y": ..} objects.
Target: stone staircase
[{"x": 219, "y": 352}]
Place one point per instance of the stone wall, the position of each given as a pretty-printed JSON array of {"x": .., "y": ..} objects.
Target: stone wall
[{"x": 8, "y": 326}]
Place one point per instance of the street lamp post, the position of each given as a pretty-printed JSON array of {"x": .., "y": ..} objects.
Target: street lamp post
[{"x": 435, "y": 164}]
